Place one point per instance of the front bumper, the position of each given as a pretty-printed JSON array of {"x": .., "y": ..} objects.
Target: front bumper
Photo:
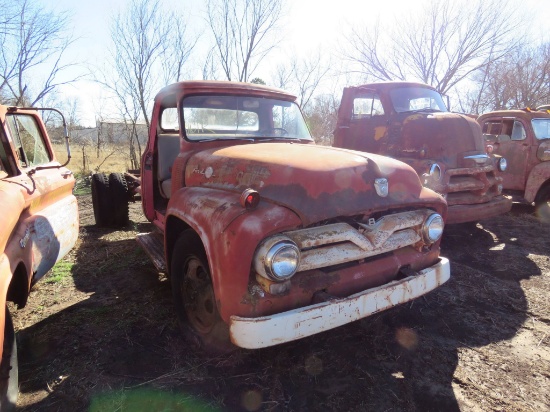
[
  {"x": 254, "y": 333},
  {"x": 477, "y": 212}
]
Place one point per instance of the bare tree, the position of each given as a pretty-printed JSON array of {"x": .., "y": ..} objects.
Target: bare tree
[
  {"x": 302, "y": 76},
  {"x": 321, "y": 117},
  {"x": 150, "y": 48},
  {"x": 522, "y": 80},
  {"x": 32, "y": 40},
  {"x": 442, "y": 44},
  {"x": 243, "y": 33},
  {"x": 145, "y": 38}
]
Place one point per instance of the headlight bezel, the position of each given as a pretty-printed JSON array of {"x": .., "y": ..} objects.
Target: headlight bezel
[
  {"x": 265, "y": 260},
  {"x": 435, "y": 171},
  {"x": 434, "y": 218}
]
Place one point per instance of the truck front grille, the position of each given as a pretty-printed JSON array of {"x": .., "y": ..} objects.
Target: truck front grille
[
  {"x": 338, "y": 243},
  {"x": 472, "y": 185}
]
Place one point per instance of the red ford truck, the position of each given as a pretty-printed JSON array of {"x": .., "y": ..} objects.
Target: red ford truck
[
  {"x": 523, "y": 138},
  {"x": 267, "y": 237},
  {"x": 38, "y": 223},
  {"x": 410, "y": 122}
]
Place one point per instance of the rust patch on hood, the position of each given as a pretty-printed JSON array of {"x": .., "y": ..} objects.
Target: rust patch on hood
[{"x": 317, "y": 182}]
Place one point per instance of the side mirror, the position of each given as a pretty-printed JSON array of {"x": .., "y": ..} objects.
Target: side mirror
[{"x": 65, "y": 132}]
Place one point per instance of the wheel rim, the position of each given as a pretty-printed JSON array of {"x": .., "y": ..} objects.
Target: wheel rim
[{"x": 198, "y": 296}]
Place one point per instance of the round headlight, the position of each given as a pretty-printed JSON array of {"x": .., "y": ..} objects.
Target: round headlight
[
  {"x": 433, "y": 228},
  {"x": 282, "y": 260},
  {"x": 435, "y": 171},
  {"x": 502, "y": 164},
  {"x": 277, "y": 258}
]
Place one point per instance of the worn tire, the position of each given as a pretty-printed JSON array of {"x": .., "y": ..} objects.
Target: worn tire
[
  {"x": 118, "y": 188},
  {"x": 101, "y": 200},
  {"x": 194, "y": 298},
  {"x": 542, "y": 204},
  {"x": 9, "y": 375}
]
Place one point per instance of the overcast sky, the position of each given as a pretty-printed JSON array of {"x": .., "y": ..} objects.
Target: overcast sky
[{"x": 310, "y": 24}]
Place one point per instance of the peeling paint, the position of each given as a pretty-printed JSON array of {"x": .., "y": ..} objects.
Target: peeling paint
[{"x": 422, "y": 138}]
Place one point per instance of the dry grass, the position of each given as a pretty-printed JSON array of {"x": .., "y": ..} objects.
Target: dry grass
[{"x": 84, "y": 159}]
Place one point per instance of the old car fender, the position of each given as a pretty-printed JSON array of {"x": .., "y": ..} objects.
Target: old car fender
[
  {"x": 13, "y": 204},
  {"x": 537, "y": 177},
  {"x": 230, "y": 234},
  {"x": 5, "y": 278}
]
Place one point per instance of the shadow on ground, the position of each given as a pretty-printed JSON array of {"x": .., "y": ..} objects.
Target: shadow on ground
[{"x": 121, "y": 349}]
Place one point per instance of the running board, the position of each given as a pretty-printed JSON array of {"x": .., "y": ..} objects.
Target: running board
[{"x": 153, "y": 244}]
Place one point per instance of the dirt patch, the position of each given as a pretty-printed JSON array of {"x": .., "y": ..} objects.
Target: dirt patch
[{"x": 106, "y": 337}]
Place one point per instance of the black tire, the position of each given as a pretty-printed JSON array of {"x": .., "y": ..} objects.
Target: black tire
[
  {"x": 194, "y": 296},
  {"x": 542, "y": 204},
  {"x": 9, "y": 375},
  {"x": 119, "y": 195},
  {"x": 101, "y": 199}
]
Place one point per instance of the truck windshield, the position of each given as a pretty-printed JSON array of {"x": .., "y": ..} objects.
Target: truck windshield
[
  {"x": 242, "y": 117},
  {"x": 409, "y": 99},
  {"x": 541, "y": 128}
]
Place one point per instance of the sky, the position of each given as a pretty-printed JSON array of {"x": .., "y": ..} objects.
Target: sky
[{"x": 310, "y": 25}]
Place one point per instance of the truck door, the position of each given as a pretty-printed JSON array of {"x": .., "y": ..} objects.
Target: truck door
[
  {"x": 49, "y": 221},
  {"x": 511, "y": 142},
  {"x": 362, "y": 123}
]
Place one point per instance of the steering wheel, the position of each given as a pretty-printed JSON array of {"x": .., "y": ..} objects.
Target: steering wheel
[{"x": 279, "y": 131}]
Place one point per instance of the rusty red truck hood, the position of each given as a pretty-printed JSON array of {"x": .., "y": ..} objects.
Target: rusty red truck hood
[
  {"x": 445, "y": 137},
  {"x": 316, "y": 182}
]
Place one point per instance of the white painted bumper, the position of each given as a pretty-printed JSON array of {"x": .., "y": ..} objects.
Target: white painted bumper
[{"x": 253, "y": 333}]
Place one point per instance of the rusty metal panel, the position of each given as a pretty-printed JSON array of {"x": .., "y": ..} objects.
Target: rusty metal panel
[
  {"x": 423, "y": 138},
  {"x": 53, "y": 233},
  {"x": 316, "y": 182},
  {"x": 524, "y": 153},
  {"x": 470, "y": 213},
  {"x": 253, "y": 333}
]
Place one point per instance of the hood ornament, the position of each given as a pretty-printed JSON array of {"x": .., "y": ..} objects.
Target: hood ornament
[{"x": 381, "y": 186}]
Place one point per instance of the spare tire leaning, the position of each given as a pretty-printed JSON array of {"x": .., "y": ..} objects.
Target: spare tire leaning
[
  {"x": 101, "y": 200},
  {"x": 118, "y": 188}
]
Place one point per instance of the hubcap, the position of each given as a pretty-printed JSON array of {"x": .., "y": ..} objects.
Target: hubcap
[{"x": 198, "y": 296}]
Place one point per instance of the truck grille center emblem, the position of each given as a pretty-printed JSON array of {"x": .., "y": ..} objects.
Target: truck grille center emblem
[{"x": 381, "y": 186}]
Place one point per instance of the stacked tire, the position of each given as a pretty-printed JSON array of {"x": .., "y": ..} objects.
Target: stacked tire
[{"x": 110, "y": 199}]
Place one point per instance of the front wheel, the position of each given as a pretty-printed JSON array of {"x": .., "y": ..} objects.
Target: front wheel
[
  {"x": 9, "y": 375},
  {"x": 194, "y": 295}
]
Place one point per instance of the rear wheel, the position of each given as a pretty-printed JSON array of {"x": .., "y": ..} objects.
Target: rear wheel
[
  {"x": 101, "y": 199},
  {"x": 9, "y": 377},
  {"x": 194, "y": 295},
  {"x": 118, "y": 188},
  {"x": 542, "y": 204}
]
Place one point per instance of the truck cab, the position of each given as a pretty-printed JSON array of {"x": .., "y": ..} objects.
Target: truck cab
[
  {"x": 38, "y": 223},
  {"x": 410, "y": 122},
  {"x": 267, "y": 237},
  {"x": 523, "y": 138}
]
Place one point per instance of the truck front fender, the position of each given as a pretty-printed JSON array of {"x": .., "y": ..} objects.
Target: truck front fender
[
  {"x": 230, "y": 234},
  {"x": 537, "y": 177}
]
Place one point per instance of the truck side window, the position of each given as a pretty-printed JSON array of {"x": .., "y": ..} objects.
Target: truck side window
[
  {"x": 169, "y": 119},
  {"x": 518, "y": 131},
  {"x": 366, "y": 107},
  {"x": 31, "y": 149},
  {"x": 492, "y": 127}
]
